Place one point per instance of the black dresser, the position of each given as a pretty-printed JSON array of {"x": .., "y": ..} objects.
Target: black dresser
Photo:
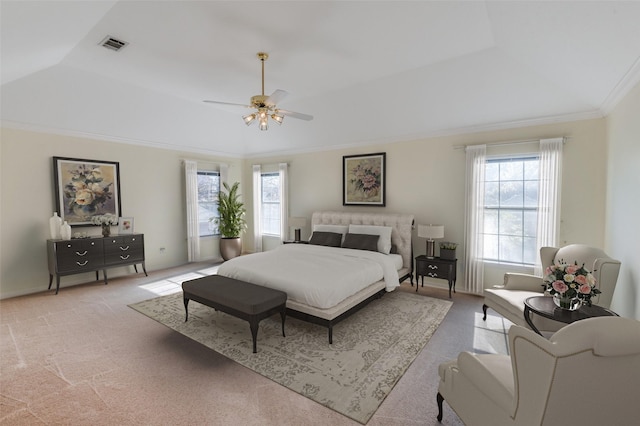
[{"x": 76, "y": 256}]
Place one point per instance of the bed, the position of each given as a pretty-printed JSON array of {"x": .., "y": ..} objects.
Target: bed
[{"x": 332, "y": 278}]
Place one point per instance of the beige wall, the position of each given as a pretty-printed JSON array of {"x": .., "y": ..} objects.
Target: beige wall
[
  {"x": 424, "y": 177},
  {"x": 623, "y": 202},
  {"x": 152, "y": 192}
]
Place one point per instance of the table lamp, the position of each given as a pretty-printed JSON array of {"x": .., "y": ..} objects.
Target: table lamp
[
  {"x": 430, "y": 232},
  {"x": 297, "y": 223}
]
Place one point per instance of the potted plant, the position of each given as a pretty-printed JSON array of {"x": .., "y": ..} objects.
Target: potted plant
[
  {"x": 231, "y": 221},
  {"x": 448, "y": 250}
]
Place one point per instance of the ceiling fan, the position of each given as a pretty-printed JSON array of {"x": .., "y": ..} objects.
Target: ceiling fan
[{"x": 266, "y": 106}]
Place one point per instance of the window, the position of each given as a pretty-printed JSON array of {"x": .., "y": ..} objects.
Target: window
[
  {"x": 270, "y": 203},
  {"x": 208, "y": 189},
  {"x": 511, "y": 209}
]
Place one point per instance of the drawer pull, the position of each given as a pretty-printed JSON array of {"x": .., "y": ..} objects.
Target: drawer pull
[
  {"x": 432, "y": 266},
  {"x": 125, "y": 257},
  {"x": 81, "y": 254},
  {"x": 432, "y": 275},
  {"x": 82, "y": 263},
  {"x": 124, "y": 248}
]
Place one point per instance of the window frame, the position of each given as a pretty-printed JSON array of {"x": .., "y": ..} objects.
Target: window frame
[
  {"x": 263, "y": 202},
  {"x": 525, "y": 233},
  {"x": 214, "y": 229}
]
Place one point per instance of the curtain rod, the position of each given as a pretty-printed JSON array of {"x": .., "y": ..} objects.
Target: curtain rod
[
  {"x": 564, "y": 140},
  {"x": 214, "y": 163}
]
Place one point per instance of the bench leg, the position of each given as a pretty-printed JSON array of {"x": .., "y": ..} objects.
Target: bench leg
[
  {"x": 186, "y": 309},
  {"x": 253, "y": 323},
  {"x": 283, "y": 315}
]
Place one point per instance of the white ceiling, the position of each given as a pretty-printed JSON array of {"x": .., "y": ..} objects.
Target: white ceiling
[{"x": 368, "y": 71}]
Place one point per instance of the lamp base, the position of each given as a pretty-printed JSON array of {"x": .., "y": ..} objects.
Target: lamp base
[
  {"x": 297, "y": 235},
  {"x": 431, "y": 249}
]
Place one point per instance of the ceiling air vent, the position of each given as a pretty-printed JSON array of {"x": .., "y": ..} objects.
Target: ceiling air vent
[{"x": 112, "y": 43}]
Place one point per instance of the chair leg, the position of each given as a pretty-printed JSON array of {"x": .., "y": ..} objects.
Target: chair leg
[
  {"x": 484, "y": 309},
  {"x": 439, "y": 400}
]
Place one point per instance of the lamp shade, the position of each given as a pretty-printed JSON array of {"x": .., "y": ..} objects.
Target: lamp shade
[
  {"x": 297, "y": 222},
  {"x": 431, "y": 231}
]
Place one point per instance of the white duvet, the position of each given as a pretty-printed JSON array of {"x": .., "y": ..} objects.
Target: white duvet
[{"x": 317, "y": 276}]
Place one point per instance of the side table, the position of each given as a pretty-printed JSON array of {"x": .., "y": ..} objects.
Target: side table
[
  {"x": 436, "y": 268},
  {"x": 545, "y": 307}
]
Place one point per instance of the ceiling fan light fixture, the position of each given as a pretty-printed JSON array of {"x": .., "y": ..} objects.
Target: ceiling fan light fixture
[
  {"x": 278, "y": 118},
  {"x": 264, "y": 125},
  {"x": 248, "y": 119}
]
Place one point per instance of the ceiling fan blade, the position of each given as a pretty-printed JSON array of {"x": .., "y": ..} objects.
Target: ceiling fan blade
[
  {"x": 293, "y": 114},
  {"x": 277, "y": 96},
  {"x": 227, "y": 103}
]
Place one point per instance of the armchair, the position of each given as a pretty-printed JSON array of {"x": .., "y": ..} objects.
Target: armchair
[
  {"x": 508, "y": 299},
  {"x": 585, "y": 374}
]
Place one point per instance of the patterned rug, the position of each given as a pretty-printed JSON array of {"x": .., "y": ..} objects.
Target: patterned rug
[{"x": 371, "y": 350}]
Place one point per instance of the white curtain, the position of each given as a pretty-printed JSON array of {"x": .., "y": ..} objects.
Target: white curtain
[
  {"x": 474, "y": 218},
  {"x": 549, "y": 196},
  {"x": 191, "y": 191},
  {"x": 224, "y": 175},
  {"x": 257, "y": 208},
  {"x": 284, "y": 200}
]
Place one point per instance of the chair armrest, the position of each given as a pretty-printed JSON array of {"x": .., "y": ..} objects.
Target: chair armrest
[{"x": 525, "y": 282}]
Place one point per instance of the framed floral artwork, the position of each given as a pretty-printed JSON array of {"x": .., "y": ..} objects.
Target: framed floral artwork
[
  {"x": 86, "y": 188},
  {"x": 125, "y": 225},
  {"x": 363, "y": 179}
]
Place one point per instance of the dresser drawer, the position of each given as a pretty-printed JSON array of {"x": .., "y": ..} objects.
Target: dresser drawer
[
  {"x": 123, "y": 249},
  {"x": 79, "y": 255}
]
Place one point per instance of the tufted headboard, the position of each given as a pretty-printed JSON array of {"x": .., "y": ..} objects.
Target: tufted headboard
[{"x": 401, "y": 224}]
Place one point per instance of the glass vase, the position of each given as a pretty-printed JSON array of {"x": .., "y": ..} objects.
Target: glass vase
[
  {"x": 568, "y": 303},
  {"x": 106, "y": 230}
]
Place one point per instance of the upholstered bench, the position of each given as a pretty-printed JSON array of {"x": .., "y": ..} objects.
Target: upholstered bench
[{"x": 243, "y": 300}]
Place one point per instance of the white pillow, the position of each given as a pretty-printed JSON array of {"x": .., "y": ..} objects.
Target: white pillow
[
  {"x": 338, "y": 229},
  {"x": 384, "y": 242}
]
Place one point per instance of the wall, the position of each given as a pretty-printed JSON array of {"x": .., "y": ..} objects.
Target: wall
[
  {"x": 623, "y": 203},
  {"x": 152, "y": 192},
  {"x": 426, "y": 178}
]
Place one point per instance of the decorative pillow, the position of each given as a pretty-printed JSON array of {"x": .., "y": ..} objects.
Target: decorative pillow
[
  {"x": 330, "y": 239},
  {"x": 340, "y": 229},
  {"x": 384, "y": 242},
  {"x": 361, "y": 242}
]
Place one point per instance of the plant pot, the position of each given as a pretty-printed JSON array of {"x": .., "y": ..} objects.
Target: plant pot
[
  {"x": 230, "y": 247},
  {"x": 447, "y": 254}
]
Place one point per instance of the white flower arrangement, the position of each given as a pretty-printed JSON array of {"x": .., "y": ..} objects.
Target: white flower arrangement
[{"x": 105, "y": 219}]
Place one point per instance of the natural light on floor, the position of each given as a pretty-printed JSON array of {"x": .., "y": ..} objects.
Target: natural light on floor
[
  {"x": 490, "y": 336},
  {"x": 173, "y": 284}
]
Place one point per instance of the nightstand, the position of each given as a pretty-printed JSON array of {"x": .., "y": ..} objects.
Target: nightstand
[{"x": 436, "y": 268}]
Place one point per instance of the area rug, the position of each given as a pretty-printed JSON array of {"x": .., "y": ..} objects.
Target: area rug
[{"x": 371, "y": 350}]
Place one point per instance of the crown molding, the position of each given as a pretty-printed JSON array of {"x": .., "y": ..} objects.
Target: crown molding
[
  {"x": 109, "y": 138},
  {"x": 539, "y": 121},
  {"x": 624, "y": 86}
]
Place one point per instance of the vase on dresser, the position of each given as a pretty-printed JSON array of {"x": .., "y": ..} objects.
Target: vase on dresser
[
  {"x": 55, "y": 222},
  {"x": 65, "y": 231},
  {"x": 106, "y": 230}
]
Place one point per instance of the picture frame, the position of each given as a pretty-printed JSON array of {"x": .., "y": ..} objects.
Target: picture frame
[
  {"x": 364, "y": 179},
  {"x": 86, "y": 188},
  {"x": 125, "y": 225}
]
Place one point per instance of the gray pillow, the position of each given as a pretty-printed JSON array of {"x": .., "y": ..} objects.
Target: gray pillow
[
  {"x": 361, "y": 242},
  {"x": 330, "y": 239}
]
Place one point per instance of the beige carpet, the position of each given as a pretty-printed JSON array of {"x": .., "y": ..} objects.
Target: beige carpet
[{"x": 371, "y": 350}]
